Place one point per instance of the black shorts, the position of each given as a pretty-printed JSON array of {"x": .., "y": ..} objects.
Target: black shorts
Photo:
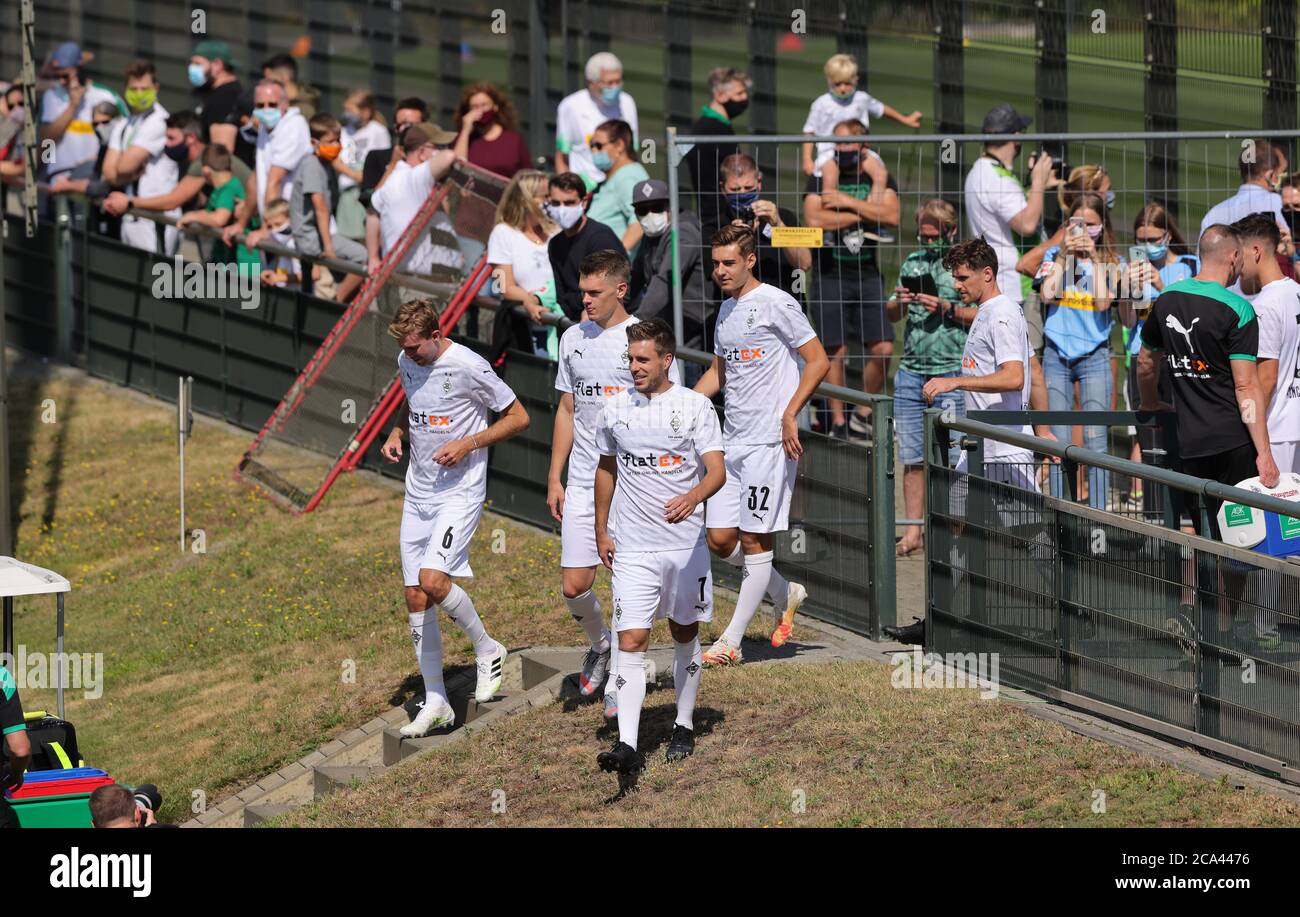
[
  {"x": 1229, "y": 468},
  {"x": 848, "y": 305}
]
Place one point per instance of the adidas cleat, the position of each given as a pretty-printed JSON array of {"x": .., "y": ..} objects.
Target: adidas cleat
[
  {"x": 490, "y": 669},
  {"x": 436, "y": 715},
  {"x": 722, "y": 654},
  {"x": 682, "y": 744},
  {"x": 595, "y": 668},
  {"x": 785, "y": 626}
]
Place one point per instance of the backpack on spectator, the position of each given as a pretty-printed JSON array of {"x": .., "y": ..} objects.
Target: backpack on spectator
[{"x": 54, "y": 742}]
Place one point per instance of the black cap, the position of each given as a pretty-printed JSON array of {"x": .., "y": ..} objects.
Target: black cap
[{"x": 1003, "y": 119}]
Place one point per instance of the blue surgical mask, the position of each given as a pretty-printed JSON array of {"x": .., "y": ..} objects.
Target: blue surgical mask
[
  {"x": 197, "y": 76},
  {"x": 844, "y": 99},
  {"x": 741, "y": 200},
  {"x": 1157, "y": 251},
  {"x": 1110, "y": 199},
  {"x": 351, "y": 121},
  {"x": 609, "y": 94},
  {"x": 269, "y": 117},
  {"x": 600, "y": 159}
]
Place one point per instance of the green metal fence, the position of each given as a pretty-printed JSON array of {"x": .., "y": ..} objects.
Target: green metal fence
[
  {"x": 242, "y": 360},
  {"x": 1173, "y": 633}
]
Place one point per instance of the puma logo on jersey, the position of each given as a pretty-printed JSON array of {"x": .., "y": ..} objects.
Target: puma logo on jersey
[
  {"x": 667, "y": 460},
  {"x": 422, "y": 419},
  {"x": 1172, "y": 323},
  {"x": 742, "y": 354}
]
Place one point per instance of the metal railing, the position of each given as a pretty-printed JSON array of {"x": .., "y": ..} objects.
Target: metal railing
[{"x": 1173, "y": 633}]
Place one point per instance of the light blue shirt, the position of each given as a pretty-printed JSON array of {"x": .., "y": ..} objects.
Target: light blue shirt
[{"x": 1248, "y": 199}]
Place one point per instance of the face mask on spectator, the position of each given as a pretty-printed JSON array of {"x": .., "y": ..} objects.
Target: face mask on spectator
[
  {"x": 197, "y": 75},
  {"x": 735, "y": 107},
  {"x": 17, "y": 114},
  {"x": 269, "y": 117},
  {"x": 180, "y": 152},
  {"x": 102, "y": 131},
  {"x": 847, "y": 161},
  {"x": 329, "y": 151},
  {"x": 141, "y": 99},
  {"x": 654, "y": 224},
  {"x": 487, "y": 119},
  {"x": 282, "y": 233},
  {"x": 351, "y": 120},
  {"x": 1094, "y": 231},
  {"x": 609, "y": 94},
  {"x": 600, "y": 159},
  {"x": 566, "y": 215},
  {"x": 939, "y": 242},
  {"x": 1110, "y": 199},
  {"x": 249, "y": 132},
  {"x": 1157, "y": 251},
  {"x": 843, "y": 98},
  {"x": 741, "y": 200}
]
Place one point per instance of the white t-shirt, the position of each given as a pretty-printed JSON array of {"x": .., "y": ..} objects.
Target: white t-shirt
[
  {"x": 659, "y": 444},
  {"x": 593, "y": 368},
  {"x": 284, "y": 147},
  {"x": 576, "y": 120},
  {"x": 997, "y": 336},
  {"x": 1248, "y": 199},
  {"x": 758, "y": 337},
  {"x": 147, "y": 130},
  {"x": 993, "y": 196},
  {"x": 1277, "y": 307},
  {"x": 357, "y": 143},
  {"x": 78, "y": 143},
  {"x": 528, "y": 260},
  {"x": 825, "y": 112},
  {"x": 449, "y": 400},
  {"x": 397, "y": 202}
]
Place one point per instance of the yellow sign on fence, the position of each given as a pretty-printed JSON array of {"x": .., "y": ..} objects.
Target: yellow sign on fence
[{"x": 796, "y": 237}]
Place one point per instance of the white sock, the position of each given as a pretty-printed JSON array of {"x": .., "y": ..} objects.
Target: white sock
[
  {"x": 427, "y": 640},
  {"x": 586, "y": 610},
  {"x": 460, "y": 608},
  {"x": 610, "y": 687},
  {"x": 686, "y": 680},
  {"x": 630, "y": 684},
  {"x": 758, "y": 570},
  {"x": 778, "y": 587}
]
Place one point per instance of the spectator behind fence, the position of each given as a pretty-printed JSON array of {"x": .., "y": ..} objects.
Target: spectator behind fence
[
  {"x": 13, "y": 114},
  {"x": 1082, "y": 179},
  {"x": 66, "y": 116},
  {"x": 283, "y": 139},
  {"x": 1166, "y": 260},
  {"x": 1290, "y": 194},
  {"x": 999, "y": 211},
  {"x": 728, "y": 100},
  {"x": 1078, "y": 282},
  {"x": 855, "y": 199},
  {"x": 1276, "y": 301},
  {"x": 993, "y": 376},
  {"x": 1210, "y": 339},
  {"x": 281, "y": 270},
  {"x": 650, "y": 292},
  {"x": 217, "y": 166},
  {"x": 566, "y": 204},
  {"x": 518, "y": 255},
  {"x": 378, "y": 163},
  {"x": 104, "y": 118},
  {"x": 284, "y": 69},
  {"x": 611, "y": 203},
  {"x": 310, "y": 210},
  {"x": 402, "y": 195},
  {"x": 580, "y": 113},
  {"x": 741, "y": 184},
  {"x": 139, "y": 160},
  {"x": 1262, "y": 164},
  {"x": 248, "y": 127},
  {"x": 843, "y": 101},
  {"x": 216, "y": 92},
  {"x": 933, "y": 340},
  {"x": 364, "y": 130},
  {"x": 489, "y": 131},
  {"x": 17, "y": 750}
]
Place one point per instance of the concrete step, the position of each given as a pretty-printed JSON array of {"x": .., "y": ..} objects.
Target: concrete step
[
  {"x": 331, "y": 778},
  {"x": 256, "y": 814}
]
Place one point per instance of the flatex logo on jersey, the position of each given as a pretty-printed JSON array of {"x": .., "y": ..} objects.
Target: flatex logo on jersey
[
  {"x": 1189, "y": 366},
  {"x": 596, "y": 390},
  {"x": 425, "y": 419},
  {"x": 743, "y": 355},
  {"x": 667, "y": 461}
]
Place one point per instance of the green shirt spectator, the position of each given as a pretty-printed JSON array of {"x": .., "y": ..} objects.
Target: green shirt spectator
[
  {"x": 932, "y": 342},
  {"x": 611, "y": 204}
]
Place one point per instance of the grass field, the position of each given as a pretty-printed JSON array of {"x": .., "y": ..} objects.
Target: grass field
[
  {"x": 836, "y": 738},
  {"x": 224, "y": 666}
]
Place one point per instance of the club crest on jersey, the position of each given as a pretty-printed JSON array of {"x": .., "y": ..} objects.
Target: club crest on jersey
[
  {"x": 625, "y": 359},
  {"x": 676, "y": 422},
  {"x": 749, "y": 322},
  {"x": 446, "y": 385}
]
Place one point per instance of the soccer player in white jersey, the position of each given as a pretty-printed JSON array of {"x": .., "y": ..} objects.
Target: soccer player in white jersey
[
  {"x": 593, "y": 367},
  {"x": 450, "y": 391},
  {"x": 660, "y": 459},
  {"x": 761, "y": 331},
  {"x": 1276, "y": 299}
]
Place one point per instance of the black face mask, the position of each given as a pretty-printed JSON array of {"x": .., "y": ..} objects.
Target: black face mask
[
  {"x": 179, "y": 153},
  {"x": 848, "y": 162},
  {"x": 735, "y": 107}
]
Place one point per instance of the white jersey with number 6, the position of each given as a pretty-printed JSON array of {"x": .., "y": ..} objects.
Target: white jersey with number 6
[
  {"x": 659, "y": 444},
  {"x": 758, "y": 338},
  {"x": 448, "y": 400}
]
